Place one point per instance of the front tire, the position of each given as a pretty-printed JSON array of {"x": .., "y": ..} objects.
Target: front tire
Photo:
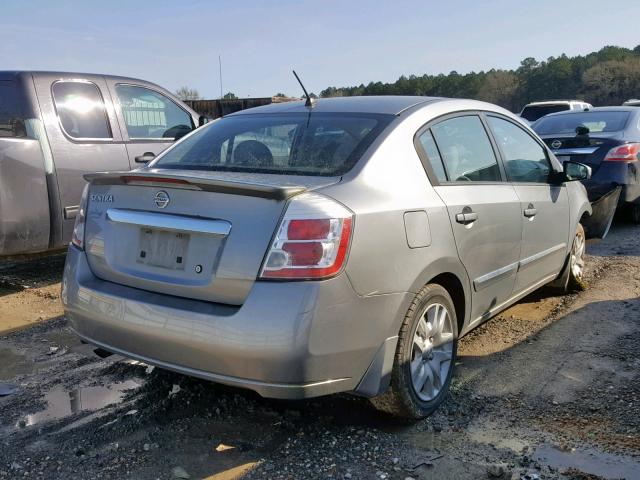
[
  {"x": 576, "y": 261},
  {"x": 425, "y": 356}
]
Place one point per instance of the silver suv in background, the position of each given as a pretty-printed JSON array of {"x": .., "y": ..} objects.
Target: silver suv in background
[
  {"x": 57, "y": 126},
  {"x": 345, "y": 246},
  {"x": 535, "y": 110}
]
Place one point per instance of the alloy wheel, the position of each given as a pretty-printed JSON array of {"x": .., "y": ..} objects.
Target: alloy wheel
[
  {"x": 577, "y": 256},
  {"x": 432, "y": 351}
]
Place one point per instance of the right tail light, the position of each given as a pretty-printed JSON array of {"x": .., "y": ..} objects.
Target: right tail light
[
  {"x": 629, "y": 152},
  {"x": 312, "y": 240}
]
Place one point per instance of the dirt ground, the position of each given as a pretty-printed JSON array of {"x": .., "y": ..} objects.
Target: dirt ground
[{"x": 548, "y": 389}]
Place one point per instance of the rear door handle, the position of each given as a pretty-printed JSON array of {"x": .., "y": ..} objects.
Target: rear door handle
[
  {"x": 466, "y": 218},
  {"x": 145, "y": 158},
  {"x": 530, "y": 212}
]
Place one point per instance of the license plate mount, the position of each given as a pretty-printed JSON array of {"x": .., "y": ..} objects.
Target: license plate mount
[{"x": 162, "y": 248}]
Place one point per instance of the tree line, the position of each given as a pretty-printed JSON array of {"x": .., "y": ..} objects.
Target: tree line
[{"x": 606, "y": 77}]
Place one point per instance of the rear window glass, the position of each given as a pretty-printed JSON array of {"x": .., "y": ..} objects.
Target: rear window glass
[
  {"x": 535, "y": 112},
  {"x": 595, "y": 121},
  {"x": 11, "y": 114},
  {"x": 81, "y": 110},
  {"x": 324, "y": 144}
]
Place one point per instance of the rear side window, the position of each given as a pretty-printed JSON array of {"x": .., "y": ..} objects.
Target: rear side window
[
  {"x": 430, "y": 148},
  {"x": 524, "y": 159},
  {"x": 150, "y": 115},
  {"x": 324, "y": 144},
  {"x": 11, "y": 111},
  {"x": 81, "y": 110},
  {"x": 466, "y": 150}
]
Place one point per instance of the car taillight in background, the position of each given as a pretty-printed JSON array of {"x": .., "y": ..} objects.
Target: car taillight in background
[
  {"x": 312, "y": 240},
  {"x": 77, "y": 238},
  {"x": 629, "y": 152}
]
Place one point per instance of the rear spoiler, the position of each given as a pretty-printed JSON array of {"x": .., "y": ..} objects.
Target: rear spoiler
[{"x": 181, "y": 181}]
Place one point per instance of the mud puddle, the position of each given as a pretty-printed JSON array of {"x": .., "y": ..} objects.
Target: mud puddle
[
  {"x": 12, "y": 364},
  {"x": 62, "y": 402},
  {"x": 589, "y": 461}
]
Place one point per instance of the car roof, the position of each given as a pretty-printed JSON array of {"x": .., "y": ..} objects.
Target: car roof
[
  {"x": 553, "y": 102},
  {"x": 11, "y": 74},
  {"x": 383, "y": 104}
]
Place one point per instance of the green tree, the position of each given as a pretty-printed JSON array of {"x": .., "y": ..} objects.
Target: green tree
[{"x": 229, "y": 96}]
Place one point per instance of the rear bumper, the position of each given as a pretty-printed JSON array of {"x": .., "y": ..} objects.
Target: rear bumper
[
  {"x": 288, "y": 340},
  {"x": 611, "y": 174}
]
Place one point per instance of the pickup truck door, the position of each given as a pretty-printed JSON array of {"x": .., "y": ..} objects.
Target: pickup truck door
[
  {"x": 83, "y": 132},
  {"x": 544, "y": 207},
  {"x": 150, "y": 119}
]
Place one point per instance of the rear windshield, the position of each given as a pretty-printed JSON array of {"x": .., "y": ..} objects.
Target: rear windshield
[
  {"x": 595, "y": 121},
  {"x": 535, "y": 112},
  {"x": 324, "y": 144}
]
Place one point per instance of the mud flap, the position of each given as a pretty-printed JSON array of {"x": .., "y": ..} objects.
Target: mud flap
[{"x": 598, "y": 224}]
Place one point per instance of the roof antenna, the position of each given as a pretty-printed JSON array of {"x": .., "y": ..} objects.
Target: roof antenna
[{"x": 310, "y": 101}]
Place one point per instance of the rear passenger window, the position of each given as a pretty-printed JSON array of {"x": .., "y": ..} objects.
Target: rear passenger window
[
  {"x": 11, "y": 116},
  {"x": 430, "y": 148},
  {"x": 151, "y": 115},
  {"x": 466, "y": 150},
  {"x": 524, "y": 159},
  {"x": 81, "y": 110}
]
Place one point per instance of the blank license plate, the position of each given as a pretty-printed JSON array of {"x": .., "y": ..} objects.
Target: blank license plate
[{"x": 160, "y": 248}]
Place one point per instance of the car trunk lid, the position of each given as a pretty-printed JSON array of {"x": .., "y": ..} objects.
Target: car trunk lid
[
  {"x": 200, "y": 235},
  {"x": 586, "y": 149}
]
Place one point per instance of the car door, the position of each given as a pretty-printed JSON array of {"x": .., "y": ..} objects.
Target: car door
[
  {"x": 483, "y": 208},
  {"x": 83, "y": 134},
  {"x": 544, "y": 207},
  {"x": 150, "y": 120}
]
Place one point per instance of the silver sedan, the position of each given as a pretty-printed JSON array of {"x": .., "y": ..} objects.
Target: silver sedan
[{"x": 343, "y": 246}]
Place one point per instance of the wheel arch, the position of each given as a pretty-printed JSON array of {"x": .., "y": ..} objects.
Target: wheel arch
[{"x": 449, "y": 273}]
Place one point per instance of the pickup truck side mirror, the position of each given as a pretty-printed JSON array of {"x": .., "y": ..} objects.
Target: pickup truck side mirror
[
  {"x": 146, "y": 157},
  {"x": 202, "y": 120},
  {"x": 576, "y": 171}
]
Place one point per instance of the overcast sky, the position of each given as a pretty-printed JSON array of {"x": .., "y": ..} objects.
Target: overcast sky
[{"x": 329, "y": 43}]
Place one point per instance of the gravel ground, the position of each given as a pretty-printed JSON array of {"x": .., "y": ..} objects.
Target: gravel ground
[{"x": 548, "y": 389}]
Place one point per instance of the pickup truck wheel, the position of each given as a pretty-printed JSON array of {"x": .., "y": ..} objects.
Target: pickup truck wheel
[
  {"x": 425, "y": 356},
  {"x": 576, "y": 260}
]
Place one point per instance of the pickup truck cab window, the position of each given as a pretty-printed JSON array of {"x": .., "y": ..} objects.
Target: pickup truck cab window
[
  {"x": 81, "y": 110},
  {"x": 11, "y": 116},
  {"x": 151, "y": 115},
  {"x": 524, "y": 159}
]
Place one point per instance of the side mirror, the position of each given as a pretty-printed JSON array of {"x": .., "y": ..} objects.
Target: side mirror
[
  {"x": 576, "y": 171},
  {"x": 202, "y": 120}
]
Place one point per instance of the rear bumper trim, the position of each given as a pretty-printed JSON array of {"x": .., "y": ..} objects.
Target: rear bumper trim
[{"x": 289, "y": 391}]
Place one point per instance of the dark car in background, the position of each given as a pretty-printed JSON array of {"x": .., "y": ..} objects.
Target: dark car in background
[{"x": 608, "y": 140}]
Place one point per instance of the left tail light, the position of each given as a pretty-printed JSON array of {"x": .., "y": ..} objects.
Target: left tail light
[
  {"x": 312, "y": 242},
  {"x": 77, "y": 237},
  {"x": 629, "y": 152}
]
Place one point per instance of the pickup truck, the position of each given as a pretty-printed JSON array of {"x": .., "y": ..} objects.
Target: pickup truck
[{"x": 54, "y": 128}]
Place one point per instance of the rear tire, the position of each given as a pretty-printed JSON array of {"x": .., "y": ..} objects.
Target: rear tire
[{"x": 425, "y": 356}]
